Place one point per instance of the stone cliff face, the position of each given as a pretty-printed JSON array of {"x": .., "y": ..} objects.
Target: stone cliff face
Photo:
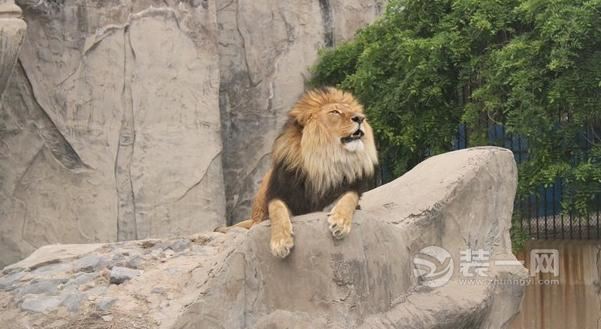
[
  {"x": 111, "y": 125},
  {"x": 12, "y": 30},
  {"x": 456, "y": 201},
  {"x": 112, "y": 122}
]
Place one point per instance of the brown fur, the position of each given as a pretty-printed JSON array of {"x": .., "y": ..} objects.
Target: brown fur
[{"x": 310, "y": 159}]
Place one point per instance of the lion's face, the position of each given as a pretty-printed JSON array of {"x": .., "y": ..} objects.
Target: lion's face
[
  {"x": 328, "y": 138},
  {"x": 346, "y": 125}
]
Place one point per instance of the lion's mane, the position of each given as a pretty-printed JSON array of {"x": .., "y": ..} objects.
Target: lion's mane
[{"x": 310, "y": 167}]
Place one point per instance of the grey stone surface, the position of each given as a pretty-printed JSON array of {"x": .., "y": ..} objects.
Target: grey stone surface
[
  {"x": 179, "y": 245},
  {"x": 8, "y": 281},
  {"x": 41, "y": 304},
  {"x": 73, "y": 301},
  {"x": 48, "y": 287},
  {"x": 456, "y": 201},
  {"x": 266, "y": 48},
  {"x": 12, "y": 31},
  {"x": 104, "y": 304},
  {"x": 121, "y": 274},
  {"x": 89, "y": 263},
  {"x": 80, "y": 279},
  {"x": 110, "y": 124},
  {"x": 134, "y": 262}
]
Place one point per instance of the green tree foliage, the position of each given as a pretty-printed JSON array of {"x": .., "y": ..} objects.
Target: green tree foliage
[{"x": 532, "y": 65}]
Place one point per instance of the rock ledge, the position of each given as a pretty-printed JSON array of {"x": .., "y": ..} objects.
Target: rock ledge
[{"x": 456, "y": 201}]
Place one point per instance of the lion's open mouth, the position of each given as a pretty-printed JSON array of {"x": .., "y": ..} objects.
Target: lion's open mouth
[{"x": 353, "y": 137}]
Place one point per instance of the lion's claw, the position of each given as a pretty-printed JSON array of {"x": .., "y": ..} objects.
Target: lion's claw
[
  {"x": 281, "y": 247},
  {"x": 339, "y": 226}
]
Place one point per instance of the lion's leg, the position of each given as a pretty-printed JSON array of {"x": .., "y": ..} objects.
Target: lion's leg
[
  {"x": 281, "y": 228},
  {"x": 341, "y": 217},
  {"x": 243, "y": 224},
  {"x": 259, "y": 206}
]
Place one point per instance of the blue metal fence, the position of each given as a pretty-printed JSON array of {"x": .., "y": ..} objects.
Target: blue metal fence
[{"x": 541, "y": 215}]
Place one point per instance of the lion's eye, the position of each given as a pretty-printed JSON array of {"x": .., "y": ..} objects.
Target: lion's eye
[{"x": 335, "y": 112}]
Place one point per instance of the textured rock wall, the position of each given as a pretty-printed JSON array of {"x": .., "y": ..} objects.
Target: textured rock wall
[
  {"x": 111, "y": 127},
  {"x": 266, "y": 48},
  {"x": 12, "y": 30},
  {"x": 455, "y": 201}
]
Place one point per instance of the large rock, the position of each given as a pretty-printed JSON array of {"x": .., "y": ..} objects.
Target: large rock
[
  {"x": 110, "y": 126},
  {"x": 456, "y": 201},
  {"x": 266, "y": 49}
]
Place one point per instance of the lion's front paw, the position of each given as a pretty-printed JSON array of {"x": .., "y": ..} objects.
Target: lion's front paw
[
  {"x": 340, "y": 225},
  {"x": 282, "y": 244}
]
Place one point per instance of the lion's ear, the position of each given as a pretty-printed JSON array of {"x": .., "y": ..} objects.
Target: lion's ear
[{"x": 300, "y": 117}]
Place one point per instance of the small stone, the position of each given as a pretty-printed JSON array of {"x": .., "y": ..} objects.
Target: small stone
[
  {"x": 73, "y": 302},
  {"x": 104, "y": 304},
  {"x": 179, "y": 245},
  {"x": 7, "y": 281},
  {"x": 122, "y": 274},
  {"x": 107, "y": 318},
  {"x": 135, "y": 262},
  {"x": 41, "y": 304},
  {"x": 89, "y": 263},
  {"x": 81, "y": 279},
  {"x": 118, "y": 258},
  {"x": 47, "y": 287}
]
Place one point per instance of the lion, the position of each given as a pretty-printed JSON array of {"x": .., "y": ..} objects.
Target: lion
[{"x": 325, "y": 154}]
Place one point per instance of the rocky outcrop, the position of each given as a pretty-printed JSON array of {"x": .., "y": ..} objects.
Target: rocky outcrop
[
  {"x": 457, "y": 201},
  {"x": 110, "y": 125},
  {"x": 266, "y": 49}
]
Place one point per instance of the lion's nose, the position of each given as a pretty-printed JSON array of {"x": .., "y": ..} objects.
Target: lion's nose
[{"x": 358, "y": 118}]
